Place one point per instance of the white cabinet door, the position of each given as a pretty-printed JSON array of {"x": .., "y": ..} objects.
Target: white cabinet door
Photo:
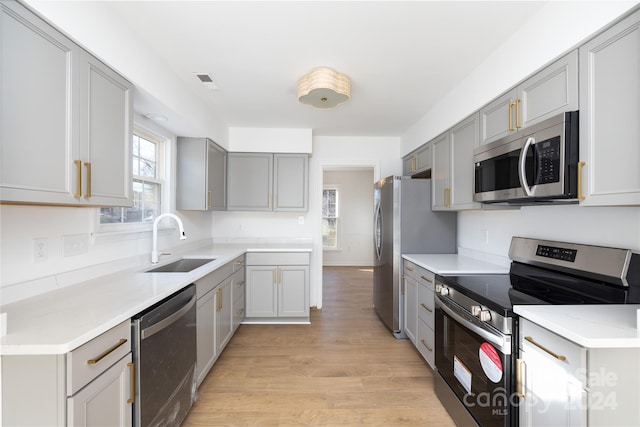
[
  {"x": 440, "y": 173},
  {"x": 39, "y": 107},
  {"x": 463, "y": 139},
  {"x": 497, "y": 118},
  {"x": 293, "y": 292},
  {"x": 609, "y": 112},
  {"x": 262, "y": 291},
  {"x": 106, "y": 123},
  {"x": 105, "y": 401},
  {"x": 201, "y": 175},
  {"x": 205, "y": 329},
  {"x": 216, "y": 191},
  {"x": 224, "y": 314}
]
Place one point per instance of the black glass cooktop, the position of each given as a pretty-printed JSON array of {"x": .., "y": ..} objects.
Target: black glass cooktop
[{"x": 526, "y": 285}]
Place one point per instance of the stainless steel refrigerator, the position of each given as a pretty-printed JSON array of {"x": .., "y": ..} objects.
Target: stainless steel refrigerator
[{"x": 404, "y": 224}]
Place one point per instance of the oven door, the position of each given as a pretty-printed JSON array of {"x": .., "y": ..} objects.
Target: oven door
[{"x": 475, "y": 361}]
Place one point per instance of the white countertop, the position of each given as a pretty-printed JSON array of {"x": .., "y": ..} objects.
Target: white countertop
[
  {"x": 454, "y": 264},
  {"x": 591, "y": 326},
  {"x": 56, "y": 322}
]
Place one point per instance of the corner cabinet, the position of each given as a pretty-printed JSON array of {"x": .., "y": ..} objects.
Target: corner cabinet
[
  {"x": 201, "y": 175},
  {"x": 609, "y": 111},
  {"x": 66, "y": 119},
  {"x": 89, "y": 386},
  {"x": 452, "y": 177},
  {"x": 267, "y": 182},
  {"x": 551, "y": 91},
  {"x": 417, "y": 162},
  {"x": 277, "y": 287}
]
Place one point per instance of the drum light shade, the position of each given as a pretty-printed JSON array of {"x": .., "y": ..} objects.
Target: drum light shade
[{"x": 324, "y": 87}]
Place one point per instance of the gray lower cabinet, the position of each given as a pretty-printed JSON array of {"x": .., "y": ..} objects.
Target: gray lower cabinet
[
  {"x": 64, "y": 114},
  {"x": 550, "y": 91},
  {"x": 419, "y": 309},
  {"x": 215, "y": 325},
  {"x": 267, "y": 182},
  {"x": 609, "y": 111},
  {"x": 277, "y": 286},
  {"x": 201, "y": 175},
  {"x": 564, "y": 384},
  {"x": 91, "y": 385}
]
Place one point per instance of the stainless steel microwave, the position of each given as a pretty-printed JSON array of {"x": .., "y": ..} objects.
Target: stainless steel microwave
[{"x": 537, "y": 164}]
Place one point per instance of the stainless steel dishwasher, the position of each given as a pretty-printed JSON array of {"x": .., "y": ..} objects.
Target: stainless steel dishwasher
[{"x": 164, "y": 351}]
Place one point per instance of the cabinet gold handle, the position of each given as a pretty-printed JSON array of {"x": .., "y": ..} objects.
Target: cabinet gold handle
[
  {"x": 518, "y": 124},
  {"x": 106, "y": 353},
  {"x": 239, "y": 262},
  {"x": 430, "y": 310},
  {"x": 413, "y": 164},
  {"x": 239, "y": 285},
  {"x": 279, "y": 275},
  {"x": 425, "y": 344},
  {"x": 580, "y": 166},
  {"x": 219, "y": 292},
  {"x": 210, "y": 199},
  {"x": 275, "y": 275},
  {"x": 409, "y": 269},
  {"x": 426, "y": 279},
  {"x": 511, "y": 104},
  {"x": 546, "y": 350},
  {"x": 88, "y": 194},
  {"x": 520, "y": 365},
  {"x": 79, "y": 187},
  {"x": 132, "y": 399}
]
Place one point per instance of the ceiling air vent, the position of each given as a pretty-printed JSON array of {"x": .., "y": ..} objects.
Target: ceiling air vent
[{"x": 207, "y": 80}]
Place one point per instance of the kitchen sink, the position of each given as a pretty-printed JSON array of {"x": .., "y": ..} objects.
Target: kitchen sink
[{"x": 183, "y": 265}]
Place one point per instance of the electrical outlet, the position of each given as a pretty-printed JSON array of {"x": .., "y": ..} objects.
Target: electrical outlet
[
  {"x": 40, "y": 250},
  {"x": 75, "y": 244}
]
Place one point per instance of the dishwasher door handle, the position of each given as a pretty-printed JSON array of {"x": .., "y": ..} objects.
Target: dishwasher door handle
[{"x": 168, "y": 321}]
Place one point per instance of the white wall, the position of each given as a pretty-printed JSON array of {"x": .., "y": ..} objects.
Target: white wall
[
  {"x": 275, "y": 140},
  {"x": 355, "y": 223}
]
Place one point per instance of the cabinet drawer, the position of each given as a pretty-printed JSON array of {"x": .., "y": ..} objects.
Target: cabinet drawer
[
  {"x": 213, "y": 279},
  {"x": 410, "y": 269},
  {"x": 91, "y": 359},
  {"x": 239, "y": 284},
  {"x": 278, "y": 258},
  {"x": 238, "y": 263},
  {"x": 425, "y": 343},
  {"x": 561, "y": 352},
  {"x": 421, "y": 275},
  {"x": 426, "y": 305}
]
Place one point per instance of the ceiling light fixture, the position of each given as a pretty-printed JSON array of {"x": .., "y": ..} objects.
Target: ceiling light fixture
[{"x": 324, "y": 87}]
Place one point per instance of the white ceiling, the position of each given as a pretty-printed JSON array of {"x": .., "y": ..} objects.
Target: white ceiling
[{"x": 402, "y": 57}]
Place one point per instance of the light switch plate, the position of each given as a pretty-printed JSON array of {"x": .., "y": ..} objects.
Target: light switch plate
[{"x": 40, "y": 249}]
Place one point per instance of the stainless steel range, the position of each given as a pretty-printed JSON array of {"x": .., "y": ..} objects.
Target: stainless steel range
[{"x": 477, "y": 330}]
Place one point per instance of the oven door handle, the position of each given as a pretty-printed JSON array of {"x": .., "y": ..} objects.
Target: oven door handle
[{"x": 502, "y": 342}]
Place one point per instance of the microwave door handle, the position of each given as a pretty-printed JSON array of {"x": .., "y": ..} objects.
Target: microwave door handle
[{"x": 521, "y": 170}]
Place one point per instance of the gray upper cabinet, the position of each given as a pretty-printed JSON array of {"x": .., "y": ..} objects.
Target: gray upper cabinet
[
  {"x": 609, "y": 112},
  {"x": 551, "y": 91},
  {"x": 201, "y": 175},
  {"x": 65, "y": 119},
  {"x": 418, "y": 161},
  {"x": 267, "y": 182}
]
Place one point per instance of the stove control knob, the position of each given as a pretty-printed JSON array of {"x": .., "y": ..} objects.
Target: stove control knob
[
  {"x": 485, "y": 315},
  {"x": 475, "y": 310},
  {"x": 444, "y": 291}
]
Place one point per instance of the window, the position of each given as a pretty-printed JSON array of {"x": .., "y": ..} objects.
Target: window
[
  {"x": 147, "y": 161},
  {"x": 330, "y": 213}
]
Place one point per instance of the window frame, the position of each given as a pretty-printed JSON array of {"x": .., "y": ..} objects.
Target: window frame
[
  {"x": 161, "y": 137},
  {"x": 337, "y": 189}
]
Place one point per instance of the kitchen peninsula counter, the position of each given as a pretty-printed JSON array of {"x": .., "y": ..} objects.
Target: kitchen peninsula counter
[{"x": 60, "y": 320}]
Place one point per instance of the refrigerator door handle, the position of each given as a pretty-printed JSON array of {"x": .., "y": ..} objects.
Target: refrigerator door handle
[{"x": 377, "y": 233}]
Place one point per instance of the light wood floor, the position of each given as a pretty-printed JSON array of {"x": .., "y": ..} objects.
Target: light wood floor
[{"x": 345, "y": 369}]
